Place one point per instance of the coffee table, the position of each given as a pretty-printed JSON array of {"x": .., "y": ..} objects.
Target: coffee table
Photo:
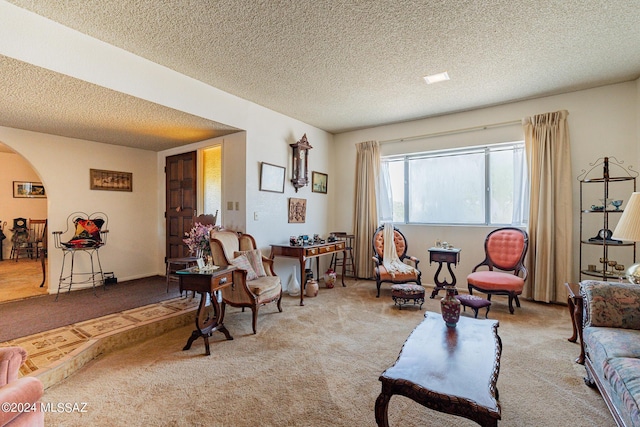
[{"x": 451, "y": 370}]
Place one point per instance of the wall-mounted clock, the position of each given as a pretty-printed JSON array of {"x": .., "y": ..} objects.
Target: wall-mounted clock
[{"x": 300, "y": 162}]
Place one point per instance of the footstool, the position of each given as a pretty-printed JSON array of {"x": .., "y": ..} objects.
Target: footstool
[
  {"x": 405, "y": 293},
  {"x": 475, "y": 303}
]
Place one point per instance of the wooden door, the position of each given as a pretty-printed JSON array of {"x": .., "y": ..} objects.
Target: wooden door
[{"x": 181, "y": 184}]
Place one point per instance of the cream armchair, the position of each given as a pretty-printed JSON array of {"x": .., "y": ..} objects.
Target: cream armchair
[{"x": 247, "y": 290}]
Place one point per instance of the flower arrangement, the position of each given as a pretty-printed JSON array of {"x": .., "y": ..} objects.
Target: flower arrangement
[{"x": 198, "y": 239}]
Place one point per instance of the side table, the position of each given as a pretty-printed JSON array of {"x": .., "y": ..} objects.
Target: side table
[
  {"x": 441, "y": 256},
  {"x": 209, "y": 317},
  {"x": 574, "y": 300}
]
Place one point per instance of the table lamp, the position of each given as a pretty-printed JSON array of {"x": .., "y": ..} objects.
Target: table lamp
[{"x": 628, "y": 228}]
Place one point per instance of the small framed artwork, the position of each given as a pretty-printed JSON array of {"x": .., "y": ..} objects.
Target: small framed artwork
[
  {"x": 297, "y": 210},
  {"x": 319, "y": 182},
  {"x": 272, "y": 178},
  {"x": 27, "y": 189},
  {"x": 110, "y": 180}
]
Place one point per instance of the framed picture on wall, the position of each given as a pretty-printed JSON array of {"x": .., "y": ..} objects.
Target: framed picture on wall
[
  {"x": 319, "y": 182},
  {"x": 272, "y": 178},
  {"x": 110, "y": 180},
  {"x": 28, "y": 189}
]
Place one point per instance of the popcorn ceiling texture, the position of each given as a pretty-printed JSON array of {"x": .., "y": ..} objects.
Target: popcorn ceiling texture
[{"x": 349, "y": 64}]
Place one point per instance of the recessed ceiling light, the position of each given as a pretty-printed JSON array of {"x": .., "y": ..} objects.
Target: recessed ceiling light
[{"x": 436, "y": 78}]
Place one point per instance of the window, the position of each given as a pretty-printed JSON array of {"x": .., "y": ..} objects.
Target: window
[{"x": 479, "y": 185}]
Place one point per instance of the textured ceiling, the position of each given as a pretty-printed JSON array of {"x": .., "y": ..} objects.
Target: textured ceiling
[
  {"x": 349, "y": 64},
  {"x": 44, "y": 101}
]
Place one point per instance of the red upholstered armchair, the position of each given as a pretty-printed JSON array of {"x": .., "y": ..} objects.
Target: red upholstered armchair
[
  {"x": 25, "y": 390},
  {"x": 505, "y": 249},
  {"x": 380, "y": 272}
]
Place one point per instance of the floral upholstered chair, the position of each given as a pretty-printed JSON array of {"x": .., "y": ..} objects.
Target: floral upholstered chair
[{"x": 254, "y": 282}]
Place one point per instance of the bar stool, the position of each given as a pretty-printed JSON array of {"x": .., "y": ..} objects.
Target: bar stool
[
  {"x": 347, "y": 256},
  {"x": 88, "y": 236}
]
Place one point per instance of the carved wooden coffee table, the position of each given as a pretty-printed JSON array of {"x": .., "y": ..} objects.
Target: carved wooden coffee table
[{"x": 451, "y": 370}]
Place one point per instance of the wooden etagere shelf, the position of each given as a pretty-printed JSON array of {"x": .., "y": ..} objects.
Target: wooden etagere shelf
[{"x": 596, "y": 182}]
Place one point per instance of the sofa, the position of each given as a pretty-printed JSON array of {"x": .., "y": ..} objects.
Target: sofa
[
  {"x": 21, "y": 394},
  {"x": 611, "y": 337}
]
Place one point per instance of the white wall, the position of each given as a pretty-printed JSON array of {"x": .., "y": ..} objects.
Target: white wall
[
  {"x": 16, "y": 168},
  {"x": 602, "y": 122},
  {"x": 63, "y": 165},
  {"x": 39, "y": 41}
]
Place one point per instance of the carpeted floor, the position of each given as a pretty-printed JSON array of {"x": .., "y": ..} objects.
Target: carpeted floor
[
  {"x": 42, "y": 313},
  {"x": 318, "y": 365}
]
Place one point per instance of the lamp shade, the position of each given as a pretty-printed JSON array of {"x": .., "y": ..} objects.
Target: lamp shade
[{"x": 628, "y": 227}]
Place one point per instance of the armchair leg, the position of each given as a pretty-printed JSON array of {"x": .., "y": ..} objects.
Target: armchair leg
[
  {"x": 378, "y": 285},
  {"x": 255, "y": 318},
  {"x": 511, "y": 310},
  {"x": 280, "y": 303}
]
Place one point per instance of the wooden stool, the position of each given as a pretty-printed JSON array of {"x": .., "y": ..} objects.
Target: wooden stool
[
  {"x": 406, "y": 292},
  {"x": 475, "y": 303}
]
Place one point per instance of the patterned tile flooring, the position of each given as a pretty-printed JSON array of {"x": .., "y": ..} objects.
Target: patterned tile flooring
[{"x": 55, "y": 354}]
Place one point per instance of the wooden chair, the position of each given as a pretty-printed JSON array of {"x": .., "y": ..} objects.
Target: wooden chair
[
  {"x": 380, "y": 272},
  {"x": 225, "y": 248},
  {"x": 37, "y": 234},
  {"x": 20, "y": 238},
  {"x": 505, "y": 249}
]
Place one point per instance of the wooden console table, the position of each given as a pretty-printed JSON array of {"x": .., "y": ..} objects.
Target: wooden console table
[
  {"x": 574, "y": 300},
  {"x": 303, "y": 253},
  {"x": 450, "y": 370},
  {"x": 208, "y": 318},
  {"x": 441, "y": 256}
]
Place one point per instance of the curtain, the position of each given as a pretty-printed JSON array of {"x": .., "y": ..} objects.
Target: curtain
[
  {"x": 366, "y": 210},
  {"x": 550, "y": 255}
]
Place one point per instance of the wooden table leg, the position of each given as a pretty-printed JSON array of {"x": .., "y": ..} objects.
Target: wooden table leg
[
  {"x": 381, "y": 410},
  {"x": 572, "y": 309}
]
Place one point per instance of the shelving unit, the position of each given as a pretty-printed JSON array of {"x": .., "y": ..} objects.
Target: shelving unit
[{"x": 598, "y": 252}]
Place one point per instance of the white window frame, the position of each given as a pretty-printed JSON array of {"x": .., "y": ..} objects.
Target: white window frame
[{"x": 521, "y": 213}]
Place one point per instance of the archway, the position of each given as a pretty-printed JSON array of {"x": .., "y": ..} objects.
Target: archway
[{"x": 22, "y": 278}]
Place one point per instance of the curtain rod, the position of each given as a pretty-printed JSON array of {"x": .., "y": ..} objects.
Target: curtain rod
[{"x": 451, "y": 132}]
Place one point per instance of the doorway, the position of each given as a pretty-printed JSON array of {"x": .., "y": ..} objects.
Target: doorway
[{"x": 21, "y": 279}]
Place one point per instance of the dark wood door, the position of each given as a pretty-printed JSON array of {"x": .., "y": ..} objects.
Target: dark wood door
[{"x": 181, "y": 184}]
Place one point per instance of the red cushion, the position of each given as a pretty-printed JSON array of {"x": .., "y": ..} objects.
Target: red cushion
[{"x": 496, "y": 281}]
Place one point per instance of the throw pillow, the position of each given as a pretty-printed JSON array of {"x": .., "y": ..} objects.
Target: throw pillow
[
  {"x": 255, "y": 259},
  {"x": 242, "y": 263},
  {"x": 87, "y": 233}
]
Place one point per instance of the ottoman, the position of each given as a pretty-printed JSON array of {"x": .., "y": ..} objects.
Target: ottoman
[
  {"x": 475, "y": 303},
  {"x": 405, "y": 293}
]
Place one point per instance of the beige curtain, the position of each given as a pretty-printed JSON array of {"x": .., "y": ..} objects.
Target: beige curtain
[
  {"x": 366, "y": 210},
  {"x": 549, "y": 260}
]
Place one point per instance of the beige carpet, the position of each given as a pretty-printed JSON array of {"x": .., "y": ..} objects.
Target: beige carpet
[{"x": 318, "y": 365}]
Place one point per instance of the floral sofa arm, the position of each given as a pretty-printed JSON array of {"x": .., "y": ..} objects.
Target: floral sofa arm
[{"x": 612, "y": 305}]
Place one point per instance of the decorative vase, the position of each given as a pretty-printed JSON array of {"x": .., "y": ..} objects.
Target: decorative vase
[
  {"x": 450, "y": 307},
  {"x": 311, "y": 288},
  {"x": 330, "y": 279}
]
